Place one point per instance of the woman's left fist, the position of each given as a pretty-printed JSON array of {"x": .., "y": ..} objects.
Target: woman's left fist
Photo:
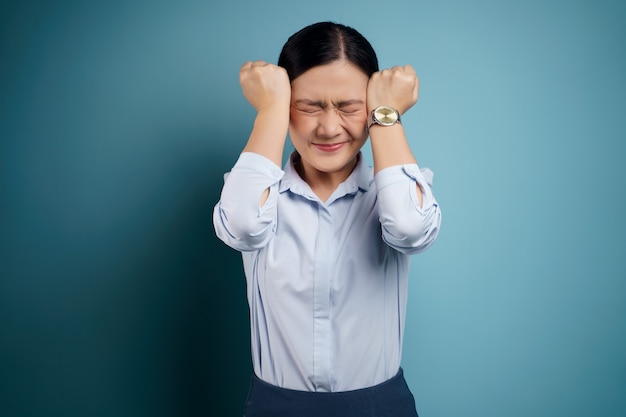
[{"x": 396, "y": 87}]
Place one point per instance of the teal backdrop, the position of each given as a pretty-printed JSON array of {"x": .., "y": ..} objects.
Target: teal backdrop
[{"x": 119, "y": 118}]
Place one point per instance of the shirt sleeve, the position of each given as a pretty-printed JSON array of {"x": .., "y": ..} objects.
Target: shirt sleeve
[
  {"x": 407, "y": 226},
  {"x": 238, "y": 219}
]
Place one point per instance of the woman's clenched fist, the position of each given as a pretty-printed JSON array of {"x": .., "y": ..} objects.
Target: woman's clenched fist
[
  {"x": 396, "y": 87},
  {"x": 265, "y": 85}
]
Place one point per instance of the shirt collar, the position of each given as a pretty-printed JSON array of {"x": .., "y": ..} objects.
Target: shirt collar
[{"x": 360, "y": 178}]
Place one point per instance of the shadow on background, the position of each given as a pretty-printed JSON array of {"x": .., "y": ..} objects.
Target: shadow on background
[
  {"x": 116, "y": 298},
  {"x": 122, "y": 308}
]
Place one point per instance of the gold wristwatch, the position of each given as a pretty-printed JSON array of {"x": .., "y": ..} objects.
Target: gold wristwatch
[{"x": 384, "y": 116}]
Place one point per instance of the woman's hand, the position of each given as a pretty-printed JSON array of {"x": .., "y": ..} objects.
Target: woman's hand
[
  {"x": 265, "y": 85},
  {"x": 396, "y": 87}
]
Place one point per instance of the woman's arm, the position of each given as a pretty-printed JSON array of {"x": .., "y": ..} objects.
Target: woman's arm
[
  {"x": 396, "y": 87},
  {"x": 245, "y": 216},
  {"x": 239, "y": 220},
  {"x": 409, "y": 225},
  {"x": 267, "y": 88},
  {"x": 409, "y": 214}
]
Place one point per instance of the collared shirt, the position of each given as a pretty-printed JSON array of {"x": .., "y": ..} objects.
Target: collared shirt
[{"x": 326, "y": 281}]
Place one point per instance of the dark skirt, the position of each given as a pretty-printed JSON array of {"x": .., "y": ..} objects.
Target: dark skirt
[{"x": 391, "y": 398}]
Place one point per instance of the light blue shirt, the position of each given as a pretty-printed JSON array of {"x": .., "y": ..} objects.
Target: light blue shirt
[{"x": 326, "y": 281}]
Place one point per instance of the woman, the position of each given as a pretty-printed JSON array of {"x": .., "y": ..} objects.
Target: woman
[{"x": 326, "y": 242}]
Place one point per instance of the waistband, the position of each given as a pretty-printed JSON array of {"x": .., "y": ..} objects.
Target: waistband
[{"x": 391, "y": 398}]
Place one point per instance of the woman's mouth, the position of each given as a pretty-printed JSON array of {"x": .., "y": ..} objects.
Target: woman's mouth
[{"x": 329, "y": 147}]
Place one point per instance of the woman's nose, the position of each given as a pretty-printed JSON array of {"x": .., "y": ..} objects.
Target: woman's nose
[{"x": 329, "y": 123}]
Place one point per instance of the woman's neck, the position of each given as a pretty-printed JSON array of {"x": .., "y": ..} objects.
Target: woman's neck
[{"x": 323, "y": 183}]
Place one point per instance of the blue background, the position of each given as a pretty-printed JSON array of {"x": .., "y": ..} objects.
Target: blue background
[{"x": 118, "y": 119}]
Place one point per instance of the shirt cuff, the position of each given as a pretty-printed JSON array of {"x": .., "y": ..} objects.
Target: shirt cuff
[
  {"x": 254, "y": 162},
  {"x": 408, "y": 172}
]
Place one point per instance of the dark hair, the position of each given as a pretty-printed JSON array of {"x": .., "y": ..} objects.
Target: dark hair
[{"x": 322, "y": 43}]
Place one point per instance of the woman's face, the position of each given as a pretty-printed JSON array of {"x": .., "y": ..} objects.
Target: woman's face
[{"x": 328, "y": 117}]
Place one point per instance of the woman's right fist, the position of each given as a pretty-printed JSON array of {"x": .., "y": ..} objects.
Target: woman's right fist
[{"x": 265, "y": 85}]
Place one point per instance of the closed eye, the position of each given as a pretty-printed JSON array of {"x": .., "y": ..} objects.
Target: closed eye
[
  {"x": 307, "y": 106},
  {"x": 351, "y": 106},
  {"x": 345, "y": 107},
  {"x": 309, "y": 110},
  {"x": 351, "y": 109}
]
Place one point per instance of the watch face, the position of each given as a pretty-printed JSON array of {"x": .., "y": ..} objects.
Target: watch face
[{"x": 386, "y": 115}]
